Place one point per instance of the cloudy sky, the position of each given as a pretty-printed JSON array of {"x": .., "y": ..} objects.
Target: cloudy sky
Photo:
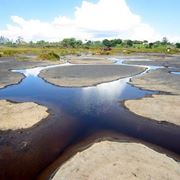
[{"x": 54, "y": 20}]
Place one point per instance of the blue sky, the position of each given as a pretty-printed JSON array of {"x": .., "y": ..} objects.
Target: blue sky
[
  {"x": 161, "y": 15},
  {"x": 36, "y": 9}
]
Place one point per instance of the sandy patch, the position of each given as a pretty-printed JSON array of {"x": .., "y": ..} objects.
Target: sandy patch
[
  {"x": 158, "y": 107},
  {"x": 113, "y": 160},
  {"x": 20, "y": 115}
]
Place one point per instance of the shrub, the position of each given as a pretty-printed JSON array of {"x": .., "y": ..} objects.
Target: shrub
[
  {"x": 9, "y": 52},
  {"x": 1, "y": 54},
  {"x": 49, "y": 56}
]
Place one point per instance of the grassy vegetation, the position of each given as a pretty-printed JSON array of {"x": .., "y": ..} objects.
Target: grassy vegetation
[
  {"x": 53, "y": 51},
  {"x": 49, "y": 56}
]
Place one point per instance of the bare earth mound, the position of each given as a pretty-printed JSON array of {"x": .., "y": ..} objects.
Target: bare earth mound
[
  {"x": 158, "y": 60},
  {"x": 8, "y": 78},
  {"x": 113, "y": 160},
  {"x": 158, "y": 107},
  {"x": 87, "y": 75},
  {"x": 20, "y": 115},
  {"x": 89, "y": 60},
  {"x": 7, "y": 64},
  {"x": 159, "y": 80}
]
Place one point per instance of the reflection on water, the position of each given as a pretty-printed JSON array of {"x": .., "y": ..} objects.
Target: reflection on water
[
  {"x": 82, "y": 100},
  {"x": 177, "y": 73},
  {"x": 106, "y": 91},
  {"x": 86, "y": 101}
]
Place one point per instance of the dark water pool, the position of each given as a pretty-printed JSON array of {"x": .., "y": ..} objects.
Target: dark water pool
[
  {"x": 84, "y": 101},
  {"x": 93, "y": 107}
]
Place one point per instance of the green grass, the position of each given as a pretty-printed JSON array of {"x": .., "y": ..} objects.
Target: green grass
[{"x": 50, "y": 53}]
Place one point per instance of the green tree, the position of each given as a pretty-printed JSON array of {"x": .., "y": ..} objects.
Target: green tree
[
  {"x": 107, "y": 43},
  {"x": 128, "y": 43},
  {"x": 71, "y": 42},
  {"x": 151, "y": 45},
  {"x": 177, "y": 45},
  {"x": 116, "y": 42}
]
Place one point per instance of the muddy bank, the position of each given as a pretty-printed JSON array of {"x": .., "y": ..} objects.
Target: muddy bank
[
  {"x": 87, "y": 75},
  {"x": 158, "y": 107},
  {"x": 7, "y": 78},
  {"x": 158, "y": 60},
  {"x": 114, "y": 160},
  {"x": 7, "y": 64},
  {"x": 159, "y": 80},
  {"x": 20, "y": 115},
  {"x": 25, "y": 152},
  {"x": 89, "y": 60}
]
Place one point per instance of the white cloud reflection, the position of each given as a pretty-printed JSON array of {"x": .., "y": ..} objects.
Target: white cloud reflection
[{"x": 106, "y": 91}]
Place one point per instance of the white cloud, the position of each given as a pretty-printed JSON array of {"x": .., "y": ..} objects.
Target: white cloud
[{"x": 104, "y": 19}]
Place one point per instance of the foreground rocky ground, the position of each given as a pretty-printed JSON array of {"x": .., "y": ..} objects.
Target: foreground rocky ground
[
  {"x": 87, "y": 75},
  {"x": 158, "y": 107},
  {"x": 20, "y": 115},
  {"x": 7, "y": 64},
  {"x": 113, "y": 160}
]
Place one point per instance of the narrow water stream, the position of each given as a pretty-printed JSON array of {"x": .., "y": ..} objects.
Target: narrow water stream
[
  {"x": 177, "y": 73},
  {"x": 75, "y": 113}
]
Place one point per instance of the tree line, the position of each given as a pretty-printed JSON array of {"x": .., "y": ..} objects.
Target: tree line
[{"x": 75, "y": 43}]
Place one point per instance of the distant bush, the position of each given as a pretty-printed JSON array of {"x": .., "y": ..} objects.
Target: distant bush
[
  {"x": 177, "y": 45},
  {"x": 9, "y": 52},
  {"x": 49, "y": 56},
  {"x": 1, "y": 54}
]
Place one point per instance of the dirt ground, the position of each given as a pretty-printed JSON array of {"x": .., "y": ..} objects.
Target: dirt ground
[
  {"x": 20, "y": 115},
  {"x": 7, "y": 64},
  {"x": 87, "y": 75},
  {"x": 114, "y": 160}
]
